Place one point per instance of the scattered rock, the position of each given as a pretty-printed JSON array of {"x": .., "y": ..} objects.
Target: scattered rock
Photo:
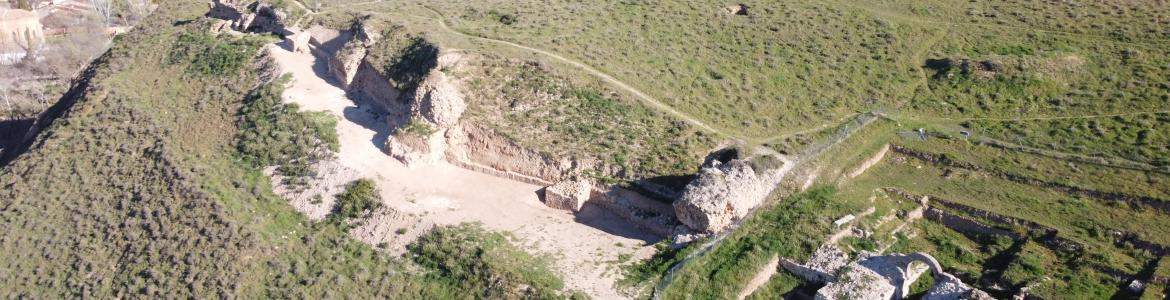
[
  {"x": 568, "y": 195},
  {"x": 947, "y": 287},
  {"x": 857, "y": 283}
]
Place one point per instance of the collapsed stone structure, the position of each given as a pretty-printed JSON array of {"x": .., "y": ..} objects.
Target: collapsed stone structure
[
  {"x": 247, "y": 16},
  {"x": 874, "y": 276},
  {"x": 731, "y": 182}
]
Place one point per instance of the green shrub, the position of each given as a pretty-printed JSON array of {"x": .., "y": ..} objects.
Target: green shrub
[
  {"x": 417, "y": 127},
  {"x": 482, "y": 264},
  {"x": 359, "y": 197},
  {"x": 274, "y": 133},
  {"x": 211, "y": 55}
]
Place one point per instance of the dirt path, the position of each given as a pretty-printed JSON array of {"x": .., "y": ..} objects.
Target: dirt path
[{"x": 584, "y": 245}]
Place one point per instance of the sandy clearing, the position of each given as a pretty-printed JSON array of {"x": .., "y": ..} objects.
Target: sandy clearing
[{"x": 585, "y": 244}]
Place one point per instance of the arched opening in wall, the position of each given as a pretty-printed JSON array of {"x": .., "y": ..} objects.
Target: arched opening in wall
[{"x": 918, "y": 286}]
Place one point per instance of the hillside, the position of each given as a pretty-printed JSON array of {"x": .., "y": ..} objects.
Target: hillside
[
  {"x": 139, "y": 189},
  {"x": 632, "y": 149}
]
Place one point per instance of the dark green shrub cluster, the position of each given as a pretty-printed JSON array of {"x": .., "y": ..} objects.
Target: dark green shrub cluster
[
  {"x": 482, "y": 264},
  {"x": 359, "y": 197},
  {"x": 274, "y": 133},
  {"x": 212, "y": 55}
]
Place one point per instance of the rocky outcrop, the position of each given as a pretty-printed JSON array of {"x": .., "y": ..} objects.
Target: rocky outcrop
[
  {"x": 438, "y": 100},
  {"x": 430, "y": 128},
  {"x": 344, "y": 65},
  {"x": 298, "y": 41},
  {"x": 413, "y": 149},
  {"x": 729, "y": 185},
  {"x": 567, "y": 195},
  {"x": 243, "y": 16}
]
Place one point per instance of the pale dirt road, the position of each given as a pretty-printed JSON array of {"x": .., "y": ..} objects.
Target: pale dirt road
[{"x": 582, "y": 244}]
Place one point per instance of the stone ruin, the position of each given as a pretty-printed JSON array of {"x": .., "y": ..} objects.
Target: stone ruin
[
  {"x": 243, "y": 16},
  {"x": 568, "y": 194},
  {"x": 873, "y": 276},
  {"x": 731, "y": 182}
]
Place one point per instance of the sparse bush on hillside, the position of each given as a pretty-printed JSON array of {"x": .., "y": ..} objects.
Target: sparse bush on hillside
[
  {"x": 482, "y": 264},
  {"x": 417, "y": 127},
  {"x": 274, "y": 133},
  {"x": 359, "y": 198},
  {"x": 211, "y": 55}
]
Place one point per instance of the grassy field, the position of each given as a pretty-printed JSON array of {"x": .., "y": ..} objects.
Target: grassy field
[
  {"x": 775, "y": 70},
  {"x": 547, "y": 112}
]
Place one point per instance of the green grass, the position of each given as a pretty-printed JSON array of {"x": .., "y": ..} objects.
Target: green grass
[
  {"x": 468, "y": 258},
  {"x": 1081, "y": 175},
  {"x": 719, "y": 68},
  {"x": 1142, "y": 138},
  {"x": 781, "y": 283},
  {"x": 1138, "y": 21},
  {"x": 793, "y": 227}
]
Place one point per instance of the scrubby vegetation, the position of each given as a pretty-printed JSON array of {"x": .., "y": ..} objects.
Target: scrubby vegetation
[
  {"x": 468, "y": 258},
  {"x": 552, "y": 114},
  {"x": 140, "y": 191},
  {"x": 274, "y": 133},
  {"x": 779, "y": 67},
  {"x": 359, "y": 197},
  {"x": 151, "y": 184},
  {"x": 406, "y": 56}
]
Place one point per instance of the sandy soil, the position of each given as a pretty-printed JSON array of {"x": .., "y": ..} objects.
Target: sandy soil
[{"x": 585, "y": 245}]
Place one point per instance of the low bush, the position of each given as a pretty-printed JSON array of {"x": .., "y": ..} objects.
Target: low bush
[
  {"x": 482, "y": 264},
  {"x": 359, "y": 197}
]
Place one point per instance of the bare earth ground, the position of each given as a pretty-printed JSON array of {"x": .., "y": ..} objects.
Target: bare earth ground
[{"x": 584, "y": 245}]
